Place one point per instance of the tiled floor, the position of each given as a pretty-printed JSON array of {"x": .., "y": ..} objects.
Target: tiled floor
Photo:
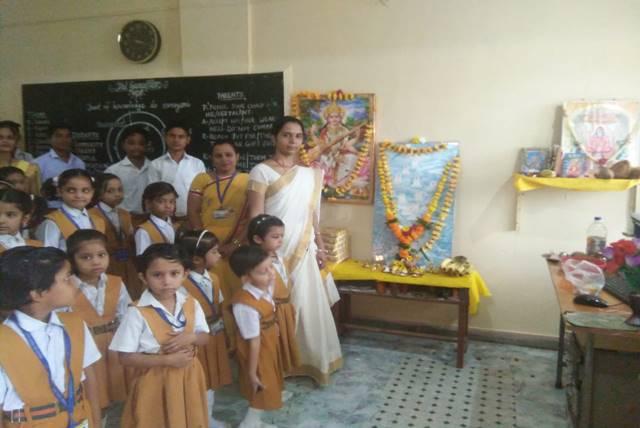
[{"x": 501, "y": 385}]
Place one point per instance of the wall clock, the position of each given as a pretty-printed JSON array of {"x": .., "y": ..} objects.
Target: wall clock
[{"x": 139, "y": 41}]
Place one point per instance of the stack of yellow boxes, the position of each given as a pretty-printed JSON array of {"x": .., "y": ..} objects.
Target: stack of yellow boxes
[{"x": 336, "y": 242}]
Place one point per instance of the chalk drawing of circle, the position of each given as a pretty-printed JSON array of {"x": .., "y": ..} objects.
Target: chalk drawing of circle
[{"x": 143, "y": 119}]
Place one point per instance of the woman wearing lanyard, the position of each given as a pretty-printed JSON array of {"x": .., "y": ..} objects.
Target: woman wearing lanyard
[{"x": 218, "y": 202}]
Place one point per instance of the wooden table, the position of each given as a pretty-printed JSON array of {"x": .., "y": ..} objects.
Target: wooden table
[
  {"x": 352, "y": 280},
  {"x": 592, "y": 339},
  {"x": 565, "y": 294}
]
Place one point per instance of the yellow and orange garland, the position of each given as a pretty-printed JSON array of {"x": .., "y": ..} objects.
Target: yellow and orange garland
[
  {"x": 437, "y": 209},
  {"x": 363, "y": 153}
]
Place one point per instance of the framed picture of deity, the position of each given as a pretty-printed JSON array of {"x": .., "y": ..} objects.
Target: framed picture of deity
[
  {"x": 339, "y": 140},
  {"x": 598, "y": 133}
]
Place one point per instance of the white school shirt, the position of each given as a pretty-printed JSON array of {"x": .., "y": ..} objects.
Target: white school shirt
[
  {"x": 179, "y": 174},
  {"x": 12, "y": 241},
  {"x": 204, "y": 283},
  {"x": 50, "y": 340},
  {"x": 134, "y": 333},
  {"x": 96, "y": 295},
  {"x": 49, "y": 232},
  {"x": 143, "y": 240},
  {"x": 134, "y": 181},
  {"x": 111, "y": 214},
  {"x": 281, "y": 270},
  {"x": 247, "y": 318}
]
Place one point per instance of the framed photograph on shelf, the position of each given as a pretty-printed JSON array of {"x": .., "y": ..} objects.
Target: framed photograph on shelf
[
  {"x": 340, "y": 135},
  {"x": 534, "y": 160},
  {"x": 603, "y": 131},
  {"x": 575, "y": 165}
]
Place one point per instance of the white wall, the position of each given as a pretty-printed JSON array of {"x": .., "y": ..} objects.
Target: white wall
[{"x": 489, "y": 73}]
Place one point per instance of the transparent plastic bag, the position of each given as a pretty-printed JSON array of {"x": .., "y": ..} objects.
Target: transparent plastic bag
[{"x": 585, "y": 276}]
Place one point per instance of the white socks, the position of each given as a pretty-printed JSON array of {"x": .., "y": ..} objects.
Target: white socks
[
  {"x": 286, "y": 395},
  {"x": 252, "y": 420}
]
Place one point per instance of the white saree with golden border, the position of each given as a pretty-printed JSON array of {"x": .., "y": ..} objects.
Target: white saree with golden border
[{"x": 294, "y": 197}]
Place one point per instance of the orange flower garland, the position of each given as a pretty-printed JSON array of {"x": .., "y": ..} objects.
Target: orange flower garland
[{"x": 407, "y": 235}]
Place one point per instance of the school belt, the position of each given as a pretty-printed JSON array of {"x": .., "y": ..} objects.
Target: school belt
[
  {"x": 282, "y": 301},
  {"x": 104, "y": 328},
  {"x": 215, "y": 324},
  {"x": 264, "y": 324},
  {"x": 38, "y": 412},
  {"x": 213, "y": 319}
]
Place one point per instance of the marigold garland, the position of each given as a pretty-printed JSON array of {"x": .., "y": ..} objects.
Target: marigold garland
[{"x": 407, "y": 235}]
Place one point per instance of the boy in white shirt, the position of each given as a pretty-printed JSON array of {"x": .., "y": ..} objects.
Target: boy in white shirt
[
  {"x": 176, "y": 166},
  {"x": 133, "y": 170}
]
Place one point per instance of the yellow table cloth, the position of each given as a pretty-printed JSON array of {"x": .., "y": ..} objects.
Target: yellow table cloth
[
  {"x": 354, "y": 271},
  {"x": 523, "y": 183}
]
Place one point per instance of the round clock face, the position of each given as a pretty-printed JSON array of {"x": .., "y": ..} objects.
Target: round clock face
[{"x": 139, "y": 41}]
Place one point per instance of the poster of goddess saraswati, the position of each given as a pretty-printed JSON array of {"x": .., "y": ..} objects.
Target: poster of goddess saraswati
[{"x": 340, "y": 142}]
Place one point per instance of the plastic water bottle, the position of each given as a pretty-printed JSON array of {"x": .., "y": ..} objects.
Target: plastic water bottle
[{"x": 596, "y": 237}]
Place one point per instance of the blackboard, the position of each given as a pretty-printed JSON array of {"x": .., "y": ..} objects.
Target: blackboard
[{"x": 240, "y": 108}]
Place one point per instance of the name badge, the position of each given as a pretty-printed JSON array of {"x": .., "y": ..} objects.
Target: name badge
[{"x": 221, "y": 213}]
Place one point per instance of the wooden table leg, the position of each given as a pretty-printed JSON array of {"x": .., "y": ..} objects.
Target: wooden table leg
[
  {"x": 344, "y": 313},
  {"x": 463, "y": 326},
  {"x": 586, "y": 394},
  {"x": 560, "y": 353}
]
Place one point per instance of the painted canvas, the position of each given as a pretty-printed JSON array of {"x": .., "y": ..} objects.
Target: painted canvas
[
  {"x": 340, "y": 142},
  {"x": 416, "y": 189}
]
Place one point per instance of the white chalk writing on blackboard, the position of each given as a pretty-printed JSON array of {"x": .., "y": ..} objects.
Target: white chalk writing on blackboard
[
  {"x": 177, "y": 107},
  {"x": 137, "y": 89},
  {"x": 231, "y": 96}
]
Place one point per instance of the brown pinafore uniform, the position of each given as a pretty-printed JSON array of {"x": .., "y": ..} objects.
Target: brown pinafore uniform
[
  {"x": 30, "y": 380},
  {"x": 67, "y": 227},
  {"x": 121, "y": 248},
  {"x": 167, "y": 397},
  {"x": 214, "y": 356},
  {"x": 286, "y": 316},
  {"x": 154, "y": 234},
  {"x": 109, "y": 372},
  {"x": 269, "y": 361}
]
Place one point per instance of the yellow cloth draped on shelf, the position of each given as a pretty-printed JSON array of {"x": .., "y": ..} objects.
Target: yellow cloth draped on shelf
[{"x": 523, "y": 183}]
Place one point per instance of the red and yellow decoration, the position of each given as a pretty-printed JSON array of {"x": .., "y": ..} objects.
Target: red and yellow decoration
[{"x": 437, "y": 209}]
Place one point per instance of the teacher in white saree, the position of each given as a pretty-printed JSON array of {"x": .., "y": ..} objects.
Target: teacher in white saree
[{"x": 282, "y": 188}]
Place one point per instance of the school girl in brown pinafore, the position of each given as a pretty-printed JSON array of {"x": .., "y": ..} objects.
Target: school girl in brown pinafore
[
  {"x": 101, "y": 302},
  {"x": 110, "y": 373},
  {"x": 76, "y": 191},
  {"x": 286, "y": 316},
  {"x": 158, "y": 337},
  {"x": 159, "y": 200},
  {"x": 269, "y": 366},
  {"x": 266, "y": 231},
  {"x": 46, "y": 356},
  {"x": 29, "y": 378},
  {"x": 214, "y": 356},
  {"x": 119, "y": 232}
]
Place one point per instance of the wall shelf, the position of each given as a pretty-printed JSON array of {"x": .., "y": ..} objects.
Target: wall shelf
[{"x": 523, "y": 183}]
